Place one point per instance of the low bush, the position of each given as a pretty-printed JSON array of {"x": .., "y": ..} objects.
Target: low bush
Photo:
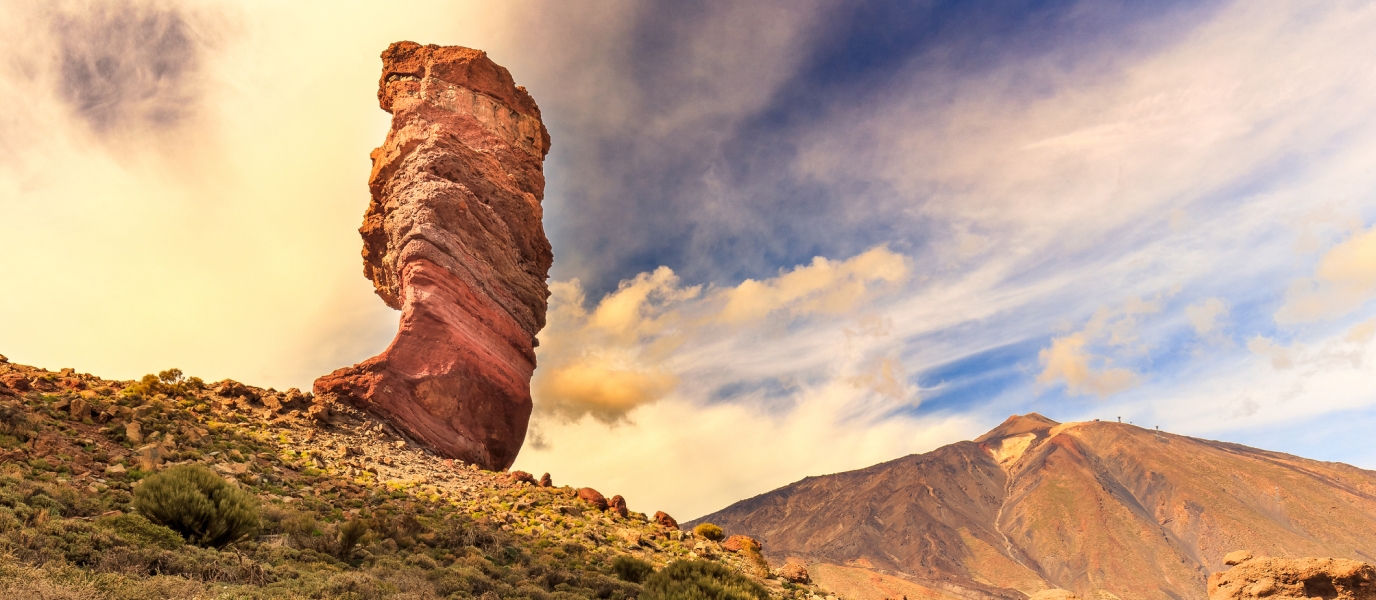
[
  {"x": 632, "y": 569},
  {"x": 709, "y": 531},
  {"x": 700, "y": 580},
  {"x": 143, "y": 532},
  {"x": 198, "y": 504}
]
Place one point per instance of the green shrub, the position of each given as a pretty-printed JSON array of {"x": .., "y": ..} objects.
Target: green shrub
[
  {"x": 349, "y": 535},
  {"x": 755, "y": 560},
  {"x": 701, "y": 580},
  {"x": 198, "y": 504},
  {"x": 143, "y": 532},
  {"x": 709, "y": 531},
  {"x": 632, "y": 569}
]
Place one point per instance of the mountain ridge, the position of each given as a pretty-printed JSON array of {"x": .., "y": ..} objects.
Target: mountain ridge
[{"x": 1093, "y": 507}]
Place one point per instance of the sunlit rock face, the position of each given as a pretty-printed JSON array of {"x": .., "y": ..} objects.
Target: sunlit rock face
[{"x": 453, "y": 239}]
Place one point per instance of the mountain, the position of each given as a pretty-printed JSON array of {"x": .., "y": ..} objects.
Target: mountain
[{"x": 1102, "y": 509}]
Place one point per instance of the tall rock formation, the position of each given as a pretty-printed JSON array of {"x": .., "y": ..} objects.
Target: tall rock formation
[
  {"x": 1095, "y": 508},
  {"x": 453, "y": 239}
]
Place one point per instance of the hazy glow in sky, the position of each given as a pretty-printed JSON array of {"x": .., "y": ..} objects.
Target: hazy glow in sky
[{"x": 790, "y": 238}]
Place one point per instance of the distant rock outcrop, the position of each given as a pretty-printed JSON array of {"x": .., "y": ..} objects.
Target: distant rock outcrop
[
  {"x": 453, "y": 238},
  {"x": 1297, "y": 578}
]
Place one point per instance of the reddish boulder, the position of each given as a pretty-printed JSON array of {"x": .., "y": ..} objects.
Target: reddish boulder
[
  {"x": 15, "y": 381},
  {"x": 522, "y": 476},
  {"x": 545, "y": 481},
  {"x": 593, "y": 497},
  {"x": 665, "y": 520},
  {"x": 453, "y": 239},
  {"x": 736, "y": 543},
  {"x": 618, "y": 505}
]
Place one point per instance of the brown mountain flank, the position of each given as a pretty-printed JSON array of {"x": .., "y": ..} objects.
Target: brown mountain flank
[{"x": 1102, "y": 509}]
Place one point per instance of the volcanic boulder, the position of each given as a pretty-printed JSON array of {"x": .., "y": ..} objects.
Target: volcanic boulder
[
  {"x": 453, "y": 239},
  {"x": 665, "y": 520},
  {"x": 618, "y": 505},
  {"x": 594, "y": 498},
  {"x": 1279, "y": 578},
  {"x": 736, "y": 543}
]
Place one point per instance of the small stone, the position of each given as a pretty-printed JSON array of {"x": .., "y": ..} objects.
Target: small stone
[
  {"x": 80, "y": 409},
  {"x": 630, "y": 536},
  {"x": 231, "y": 468},
  {"x": 399, "y": 444},
  {"x": 705, "y": 549},
  {"x": 115, "y": 470},
  {"x": 62, "y": 404},
  {"x": 142, "y": 412},
  {"x": 149, "y": 457},
  {"x": 134, "y": 432},
  {"x": 1237, "y": 557},
  {"x": 794, "y": 573},
  {"x": 318, "y": 412}
]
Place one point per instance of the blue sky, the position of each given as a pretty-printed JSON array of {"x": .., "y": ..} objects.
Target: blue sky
[{"x": 790, "y": 238}]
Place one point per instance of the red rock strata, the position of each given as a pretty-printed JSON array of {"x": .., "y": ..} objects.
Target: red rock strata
[{"x": 453, "y": 238}]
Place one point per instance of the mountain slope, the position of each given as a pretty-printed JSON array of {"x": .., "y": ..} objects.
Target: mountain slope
[{"x": 1091, "y": 507}]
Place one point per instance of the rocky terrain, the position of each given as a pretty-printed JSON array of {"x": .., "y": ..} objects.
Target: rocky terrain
[
  {"x": 1252, "y": 577},
  {"x": 1094, "y": 508},
  {"x": 453, "y": 238},
  {"x": 73, "y": 447}
]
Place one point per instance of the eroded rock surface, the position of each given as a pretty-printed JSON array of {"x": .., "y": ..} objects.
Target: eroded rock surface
[
  {"x": 453, "y": 238},
  {"x": 1281, "y": 578}
]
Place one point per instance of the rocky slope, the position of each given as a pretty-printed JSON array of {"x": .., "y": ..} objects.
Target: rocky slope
[
  {"x": 1096, "y": 508},
  {"x": 453, "y": 238},
  {"x": 74, "y": 446}
]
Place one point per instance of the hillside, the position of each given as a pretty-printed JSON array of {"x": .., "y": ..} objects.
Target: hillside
[
  {"x": 74, "y": 448},
  {"x": 1096, "y": 508}
]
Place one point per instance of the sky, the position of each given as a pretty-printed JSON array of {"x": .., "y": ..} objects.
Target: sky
[{"x": 791, "y": 237}]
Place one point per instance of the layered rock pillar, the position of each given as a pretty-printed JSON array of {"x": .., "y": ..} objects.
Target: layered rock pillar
[{"x": 453, "y": 239}]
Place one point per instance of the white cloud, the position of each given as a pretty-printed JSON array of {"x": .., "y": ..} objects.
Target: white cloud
[
  {"x": 1066, "y": 361},
  {"x": 1069, "y": 361},
  {"x": 1206, "y": 316},
  {"x": 623, "y": 353},
  {"x": 1344, "y": 280}
]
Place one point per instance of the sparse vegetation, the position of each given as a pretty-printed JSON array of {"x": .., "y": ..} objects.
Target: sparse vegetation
[
  {"x": 701, "y": 580},
  {"x": 81, "y": 518},
  {"x": 171, "y": 382}
]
